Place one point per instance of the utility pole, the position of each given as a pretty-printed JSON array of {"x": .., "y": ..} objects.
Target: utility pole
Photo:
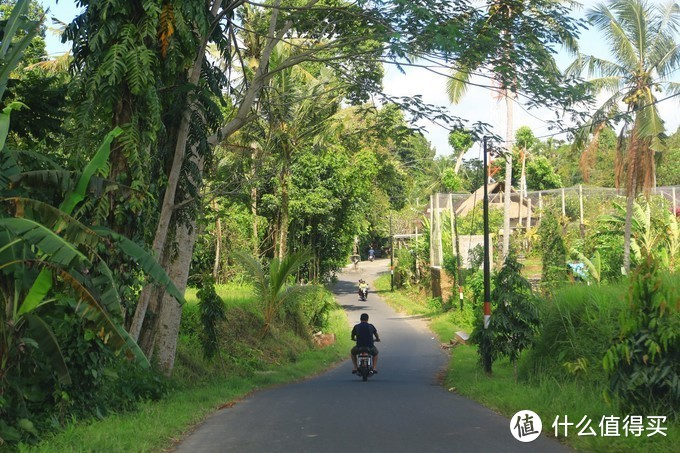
[{"x": 487, "y": 265}]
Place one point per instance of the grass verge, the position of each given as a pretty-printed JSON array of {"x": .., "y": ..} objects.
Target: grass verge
[
  {"x": 548, "y": 397},
  {"x": 157, "y": 426}
]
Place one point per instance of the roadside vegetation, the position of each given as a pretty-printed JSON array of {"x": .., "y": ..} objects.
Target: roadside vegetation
[
  {"x": 567, "y": 372},
  {"x": 246, "y": 362}
]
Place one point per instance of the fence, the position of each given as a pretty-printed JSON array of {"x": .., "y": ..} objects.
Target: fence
[{"x": 528, "y": 207}]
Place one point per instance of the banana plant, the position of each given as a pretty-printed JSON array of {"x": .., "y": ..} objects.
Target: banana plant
[
  {"x": 17, "y": 33},
  {"x": 645, "y": 238},
  {"x": 593, "y": 264},
  {"x": 41, "y": 244}
]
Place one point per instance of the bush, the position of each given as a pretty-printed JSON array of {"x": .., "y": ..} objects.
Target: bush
[
  {"x": 404, "y": 269},
  {"x": 212, "y": 309},
  {"x": 644, "y": 363},
  {"x": 316, "y": 308},
  {"x": 577, "y": 325},
  {"x": 553, "y": 250},
  {"x": 514, "y": 317}
]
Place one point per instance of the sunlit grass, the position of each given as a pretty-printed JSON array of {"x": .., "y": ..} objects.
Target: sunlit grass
[
  {"x": 157, "y": 426},
  {"x": 545, "y": 395}
]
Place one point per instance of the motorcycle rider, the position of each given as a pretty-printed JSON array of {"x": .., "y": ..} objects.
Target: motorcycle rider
[
  {"x": 371, "y": 254},
  {"x": 363, "y": 334},
  {"x": 363, "y": 289}
]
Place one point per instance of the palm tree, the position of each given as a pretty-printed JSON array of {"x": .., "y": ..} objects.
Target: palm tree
[
  {"x": 296, "y": 108},
  {"x": 271, "y": 285},
  {"x": 641, "y": 39},
  {"x": 520, "y": 60}
]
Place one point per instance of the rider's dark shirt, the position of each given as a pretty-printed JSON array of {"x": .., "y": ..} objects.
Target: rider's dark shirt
[{"x": 363, "y": 332}]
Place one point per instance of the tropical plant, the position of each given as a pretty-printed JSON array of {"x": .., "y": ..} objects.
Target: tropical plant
[
  {"x": 643, "y": 364},
  {"x": 272, "y": 285},
  {"x": 594, "y": 264},
  {"x": 654, "y": 230},
  {"x": 17, "y": 33},
  {"x": 642, "y": 39},
  {"x": 50, "y": 258},
  {"x": 504, "y": 42},
  {"x": 212, "y": 310},
  {"x": 514, "y": 316},
  {"x": 553, "y": 250}
]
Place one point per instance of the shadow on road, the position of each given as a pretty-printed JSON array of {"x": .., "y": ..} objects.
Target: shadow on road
[{"x": 345, "y": 287}]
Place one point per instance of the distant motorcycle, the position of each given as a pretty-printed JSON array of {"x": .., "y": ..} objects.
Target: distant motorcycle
[
  {"x": 371, "y": 258},
  {"x": 363, "y": 294}
]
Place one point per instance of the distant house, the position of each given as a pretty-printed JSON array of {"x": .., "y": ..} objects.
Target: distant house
[{"x": 496, "y": 201}]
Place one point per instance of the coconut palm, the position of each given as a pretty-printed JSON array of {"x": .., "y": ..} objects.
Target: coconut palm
[
  {"x": 642, "y": 41},
  {"x": 296, "y": 107},
  {"x": 517, "y": 62}
]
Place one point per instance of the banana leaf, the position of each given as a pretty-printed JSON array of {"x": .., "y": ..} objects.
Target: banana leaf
[
  {"x": 97, "y": 164},
  {"x": 47, "y": 342},
  {"x": 12, "y": 50},
  {"x": 147, "y": 262},
  {"x": 59, "y": 250}
]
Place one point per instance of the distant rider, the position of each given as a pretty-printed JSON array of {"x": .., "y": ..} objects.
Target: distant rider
[
  {"x": 371, "y": 254},
  {"x": 363, "y": 334},
  {"x": 363, "y": 289}
]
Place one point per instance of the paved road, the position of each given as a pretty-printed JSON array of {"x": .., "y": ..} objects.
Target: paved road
[{"x": 402, "y": 409}]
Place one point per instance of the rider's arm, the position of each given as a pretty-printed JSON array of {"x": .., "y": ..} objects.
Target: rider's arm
[
  {"x": 354, "y": 333},
  {"x": 375, "y": 334}
]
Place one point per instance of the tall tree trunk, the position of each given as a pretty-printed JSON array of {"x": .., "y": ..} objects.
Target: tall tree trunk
[
  {"x": 459, "y": 161},
  {"x": 522, "y": 186},
  {"x": 282, "y": 239},
  {"x": 253, "y": 207},
  {"x": 218, "y": 242},
  {"x": 170, "y": 314},
  {"x": 508, "y": 173},
  {"x": 179, "y": 270},
  {"x": 241, "y": 118}
]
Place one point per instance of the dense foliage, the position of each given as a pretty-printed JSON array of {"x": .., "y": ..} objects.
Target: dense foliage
[
  {"x": 514, "y": 321},
  {"x": 643, "y": 363}
]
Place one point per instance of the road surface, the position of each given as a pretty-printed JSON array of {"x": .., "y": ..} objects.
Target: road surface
[{"x": 401, "y": 409}]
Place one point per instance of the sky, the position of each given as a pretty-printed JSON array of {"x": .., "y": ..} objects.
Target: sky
[{"x": 478, "y": 104}]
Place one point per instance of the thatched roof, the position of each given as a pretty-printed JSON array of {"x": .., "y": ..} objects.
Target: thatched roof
[{"x": 464, "y": 205}]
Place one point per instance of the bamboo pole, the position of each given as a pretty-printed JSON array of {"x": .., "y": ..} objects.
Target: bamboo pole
[
  {"x": 582, "y": 226},
  {"x": 431, "y": 230}
]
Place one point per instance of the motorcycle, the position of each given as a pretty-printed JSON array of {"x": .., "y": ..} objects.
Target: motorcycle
[
  {"x": 371, "y": 258},
  {"x": 363, "y": 294},
  {"x": 364, "y": 364}
]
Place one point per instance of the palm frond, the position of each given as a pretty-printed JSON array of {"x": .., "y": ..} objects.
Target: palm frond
[{"x": 457, "y": 85}]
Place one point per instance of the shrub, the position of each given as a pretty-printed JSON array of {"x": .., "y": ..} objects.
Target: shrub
[
  {"x": 212, "y": 309},
  {"x": 577, "y": 325},
  {"x": 644, "y": 362},
  {"x": 404, "y": 269},
  {"x": 514, "y": 317},
  {"x": 553, "y": 250}
]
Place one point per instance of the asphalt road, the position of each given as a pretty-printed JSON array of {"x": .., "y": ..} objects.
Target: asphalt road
[{"x": 401, "y": 409}]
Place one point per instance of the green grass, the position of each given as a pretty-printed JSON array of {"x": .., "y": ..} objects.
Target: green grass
[
  {"x": 157, "y": 426},
  {"x": 546, "y": 395}
]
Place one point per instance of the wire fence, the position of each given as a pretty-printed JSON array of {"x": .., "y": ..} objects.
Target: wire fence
[{"x": 577, "y": 203}]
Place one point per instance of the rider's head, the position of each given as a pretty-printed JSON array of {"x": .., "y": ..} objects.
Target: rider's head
[{"x": 364, "y": 317}]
